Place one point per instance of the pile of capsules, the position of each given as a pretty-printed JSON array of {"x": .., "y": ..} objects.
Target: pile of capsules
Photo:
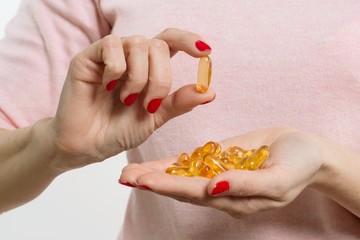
[{"x": 209, "y": 160}]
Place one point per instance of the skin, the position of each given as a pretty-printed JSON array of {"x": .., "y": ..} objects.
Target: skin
[
  {"x": 92, "y": 124},
  {"x": 298, "y": 160}
]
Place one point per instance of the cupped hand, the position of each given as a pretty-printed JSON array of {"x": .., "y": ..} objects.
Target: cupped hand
[
  {"x": 116, "y": 95},
  {"x": 294, "y": 164}
]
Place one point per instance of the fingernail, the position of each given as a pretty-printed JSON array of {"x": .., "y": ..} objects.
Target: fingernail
[
  {"x": 129, "y": 100},
  {"x": 202, "y": 46},
  {"x": 144, "y": 187},
  {"x": 154, "y": 105},
  {"x": 209, "y": 100},
  {"x": 111, "y": 85},
  {"x": 126, "y": 184},
  {"x": 220, "y": 188}
]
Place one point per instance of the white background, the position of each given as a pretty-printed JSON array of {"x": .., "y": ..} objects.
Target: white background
[{"x": 87, "y": 203}]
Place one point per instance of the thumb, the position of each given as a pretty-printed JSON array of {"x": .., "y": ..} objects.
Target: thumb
[
  {"x": 243, "y": 183},
  {"x": 188, "y": 42},
  {"x": 181, "y": 101}
]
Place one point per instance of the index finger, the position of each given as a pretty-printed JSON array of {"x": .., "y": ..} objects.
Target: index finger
[{"x": 188, "y": 42}]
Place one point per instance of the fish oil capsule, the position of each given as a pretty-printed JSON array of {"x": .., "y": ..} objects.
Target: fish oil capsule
[
  {"x": 214, "y": 164},
  {"x": 206, "y": 171},
  {"x": 212, "y": 148},
  {"x": 234, "y": 153},
  {"x": 227, "y": 163},
  {"x": 184, "y": 160},
  {"x": 240, "y": 161},
  {"x": 257, "y": 158},
  {"x": 209, "y": 160},
  {"x": 178, "y": 170},
  {"x": 204, "y": 74}
]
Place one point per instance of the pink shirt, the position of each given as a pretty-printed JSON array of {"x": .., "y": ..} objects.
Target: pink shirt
[{"x": 276, "y": 63}]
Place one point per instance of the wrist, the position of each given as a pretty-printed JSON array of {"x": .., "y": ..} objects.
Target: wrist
[
  {"x": 43, "y": 139},
  {"x": 336, "y": 161},
  {"x": 62, "y": 155}
]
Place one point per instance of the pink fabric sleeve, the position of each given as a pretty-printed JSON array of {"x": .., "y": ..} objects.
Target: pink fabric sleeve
[{"x": 35, "y": 53}]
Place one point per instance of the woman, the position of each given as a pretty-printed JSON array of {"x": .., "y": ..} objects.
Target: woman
[{"x": 277, "y": 64}]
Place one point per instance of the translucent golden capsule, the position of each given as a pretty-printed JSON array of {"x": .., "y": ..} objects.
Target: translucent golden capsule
[
  {"x": 178, "y": 170},
  {"x": 214, "y": 164},
  {"x": 227, "y": 163},
  {"x": 209, "y": 160},
  {"x": 234, "y": 153},
  {"x": 204, "y": 74},
  {"x": 212, "y": 148},
  {"x": 206, "y": 171},
  {"x": 184, "y": 160},
  {"x": 195, "y": 163},
  {"x": 241, "y": 160},
  {"x": 257, "y": 158}
]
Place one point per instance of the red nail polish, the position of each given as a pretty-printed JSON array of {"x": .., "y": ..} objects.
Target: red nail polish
[
  {"x": 220, "y": 187},
  {"x": 126, "y": 184},
  {"x": 209, "y": 100},
  {"x": 154, "y": 105},
  {"x": 202, "y": 46},
  {"x": 111, "y": 85},
  {"x": 144, "y": 187},
  {"x": 206, "y": 102},
  {"x": 129, "y": 100}
]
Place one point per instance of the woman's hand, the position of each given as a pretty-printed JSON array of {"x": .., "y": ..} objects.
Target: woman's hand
[
  {"x": 298, "y": 160},
  {"x": 116, "y": 95}
]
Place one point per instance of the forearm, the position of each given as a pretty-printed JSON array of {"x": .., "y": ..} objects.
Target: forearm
[
  {"x": 339, "y": 177},
  {"x": 27, "y": 160}
]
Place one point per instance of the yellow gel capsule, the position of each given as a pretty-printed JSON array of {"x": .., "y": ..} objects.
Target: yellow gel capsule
[
  {"x": 240, "y": 161},
  {"x": 257, "y": 158},
  {"x": 206, "y": 171},
  {"x": 195, "y": 163},
  {"x": 214, "y": 164},
  {"x": 178, "y": 170},
  {"x": 184, "y": 160},
  {"x": 233, "y": 153},
  {"x": 227, "y": 163},
  {"x": 204, "y": 74},
  {"x": 212, "y": 148}
]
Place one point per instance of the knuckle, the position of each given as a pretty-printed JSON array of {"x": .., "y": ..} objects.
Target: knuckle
[
  {"x": 161, "y": 85},
  {"x": 110, "y": 41},
  {"x": 138, "y": 42},
  {"x": 170, "y": 30},
  {"x": 159, "y": 45},
  {"x": 117, "y": 68},
  {"x": 77, "y": 66},
  {"x": 135, "y": 82}
]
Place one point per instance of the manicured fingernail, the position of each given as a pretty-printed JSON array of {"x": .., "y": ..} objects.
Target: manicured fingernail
[
  {"x": 144, "y": 187},
  {"x": 111, "y": 85},
  {"x": 154, "y": 105},
  {"x": 220, "y": 188},
  {"x": 126, "y": 184},
  {"x": 202, "y": 46},
  {"x": 209, "y": 100},
  {"x": 129, "y": 100}
]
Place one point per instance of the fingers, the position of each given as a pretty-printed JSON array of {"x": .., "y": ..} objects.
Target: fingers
[
  {"x": 105, "y": 58},
  {"x": 181, "y": 101},
  {"x": 265, "y": 183},
  {"x": 159, "y": 75},
  {"x": 131, "y": 173},
  {"x": 136, "y": 50},
  {"x": 142, "y": 65},
  {"x": 180, "y": 40}
]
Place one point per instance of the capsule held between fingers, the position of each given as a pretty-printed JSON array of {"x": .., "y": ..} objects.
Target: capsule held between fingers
[{"x": 204, "y": 74}]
